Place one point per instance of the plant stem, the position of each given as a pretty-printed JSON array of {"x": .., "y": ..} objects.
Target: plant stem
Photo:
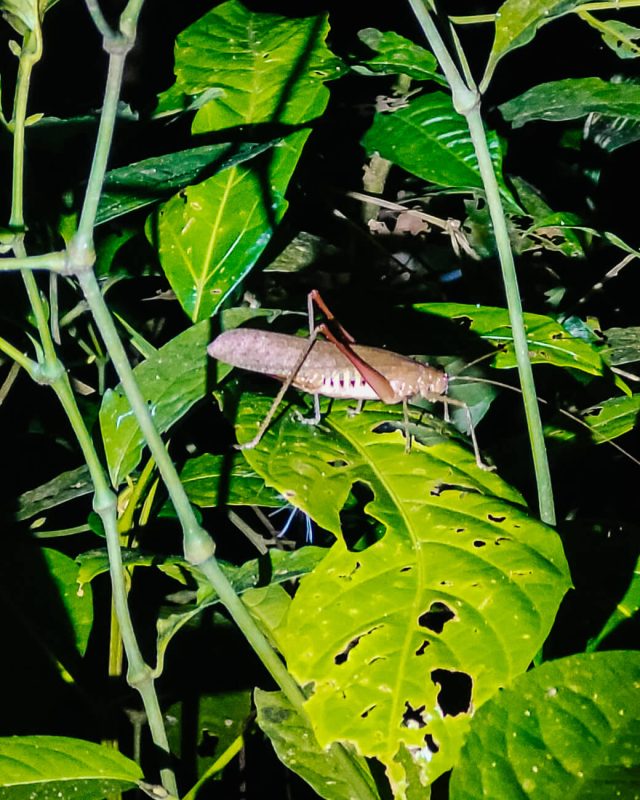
[
  {"x": 50, "y": 370},
  {"x": 53, "y": 262},
  {"x": 467, "y": 102}
]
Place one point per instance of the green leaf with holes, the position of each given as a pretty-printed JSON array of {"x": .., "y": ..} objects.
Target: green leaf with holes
[
  {"x": 252, "y": 68},
  {"x": 569, "y": 728},
  {"x": 454, "y": 600},
  {"x": 171, "y": 382},
  {"x": 613, "y": 417},
  {"x": 548, "y": 341},
  {"x": 431, "y": 140},
  {"x": 57, "y": 766}
]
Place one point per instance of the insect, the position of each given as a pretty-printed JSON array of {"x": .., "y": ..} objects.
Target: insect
[{"x": 337, "y": 367}]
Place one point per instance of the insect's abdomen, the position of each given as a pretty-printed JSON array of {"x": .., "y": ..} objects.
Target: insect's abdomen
[{"x": 325, "y": 371}]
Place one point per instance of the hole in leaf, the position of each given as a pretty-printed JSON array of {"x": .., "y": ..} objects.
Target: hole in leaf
[
  {"x": 431, "y": 743},
  {"x": 412, "y": 717},
  {"x": 338, "y": 462},
  {"x": 436, "y": 617},
  {"x": 494, "y": 518},
  {"x": 423, "y": 647},
  {"x": 367, "y": 711},
  {"x": 479, "y": 543},
  {"x": 451, "y": 487},
  {"x": 464, "y": 322},
  {"x": 207, "y": 745},
  {"x": 454, "y": 696},
  {"x": 501, "y": 539},
  {"x": 406, "y": 569},
  {"x": 360, "y": 530},
  {"x": 459, "y": 530},
  {"x": 344, "y": 655}
]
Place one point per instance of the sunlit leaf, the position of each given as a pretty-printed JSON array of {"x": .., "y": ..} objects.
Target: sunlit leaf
[
  {"x": 56, "y": 766},
  {"x": 566, "y": 729},
  {"x": 211, "y": 234},
  {"x": 171, "y": 382},
  {"x": 461, "y": 590},
  {"x": 549, "y": 342},
  {"x": 263, "y": 67}
]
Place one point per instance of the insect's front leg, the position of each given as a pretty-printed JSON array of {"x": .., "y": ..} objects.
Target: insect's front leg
[
  {"x": 450, "y": 401},
  {"x": 315, "y": 419}
]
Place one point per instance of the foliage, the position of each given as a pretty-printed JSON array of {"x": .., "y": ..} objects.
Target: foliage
[{"x": 435, "y": 638}]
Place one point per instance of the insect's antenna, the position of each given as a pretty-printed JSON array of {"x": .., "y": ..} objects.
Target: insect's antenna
[
  {"x": 568, "y": 414},
  {"x": 476, "y": 361}
]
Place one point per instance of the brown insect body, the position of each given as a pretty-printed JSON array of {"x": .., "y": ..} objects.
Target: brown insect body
[{"x": 326, "y": 371}]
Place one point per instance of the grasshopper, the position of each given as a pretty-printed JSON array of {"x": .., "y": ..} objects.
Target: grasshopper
[{"x": 337, "y": 368}]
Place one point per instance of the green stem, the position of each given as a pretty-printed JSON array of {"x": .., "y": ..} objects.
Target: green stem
[
  {"x": 139, "y": 674},
  {"x": 467, "y": 103},
  {"x": 52, "y": 371},
  {"x": 53, "y": 262},
  {"x": 20, "y": 358}
]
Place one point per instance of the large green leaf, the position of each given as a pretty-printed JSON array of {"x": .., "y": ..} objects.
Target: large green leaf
[
  {"x": 548, "y": 341},
  {"x": 516, "y": 23},
  {"x": 573, "y": 98},
  {"x": 56, "y": 766},
  {"x": 145, "y": 182},
  {"x": 431, "y": 140},
  {"x": 567, "y": 729},
  {"x": 264, "y": 67},
  {"x": 211, "y": 234},
  {"x": 462, "y": 589},
  {"x": 171, "y": 382}
]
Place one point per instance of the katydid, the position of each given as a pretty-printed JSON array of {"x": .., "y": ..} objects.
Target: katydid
[{"x": 336, "y": 368}]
